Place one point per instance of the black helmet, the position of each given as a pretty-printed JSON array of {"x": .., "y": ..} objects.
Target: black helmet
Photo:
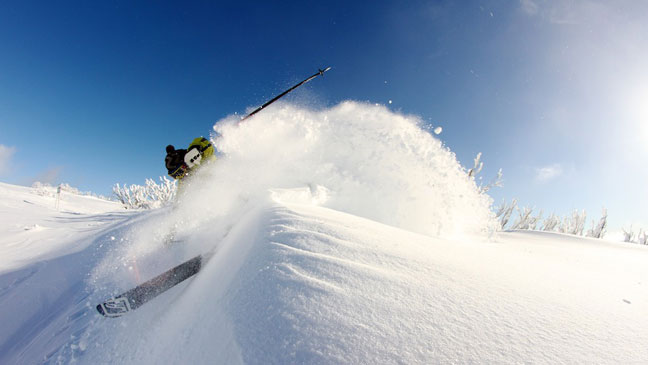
[{"x": 170, "y": 148}]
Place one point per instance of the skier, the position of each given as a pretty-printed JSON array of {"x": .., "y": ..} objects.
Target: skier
[{"x": 180, "y": 162}]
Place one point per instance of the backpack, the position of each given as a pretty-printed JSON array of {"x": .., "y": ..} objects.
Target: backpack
[{"x": 199, "y": 149}]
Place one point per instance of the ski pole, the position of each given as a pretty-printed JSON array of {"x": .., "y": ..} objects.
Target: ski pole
[{"x": 320, "y": 72}]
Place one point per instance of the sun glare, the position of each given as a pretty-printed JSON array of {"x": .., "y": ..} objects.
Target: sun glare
[
  {"x": 641, "y": 115},
  {"x": 636, "y": 106}
]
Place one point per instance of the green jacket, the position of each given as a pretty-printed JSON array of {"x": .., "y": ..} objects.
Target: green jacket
[{"x": 199, "y": 151}]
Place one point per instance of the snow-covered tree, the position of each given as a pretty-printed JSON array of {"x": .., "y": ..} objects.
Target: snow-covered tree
[
  {"x": 496, "y": 182},
  {"x": 628, "y": 234},
  {"x": 533, "y": 221},
  {"x": 522, "y": 221},
  {"x": 476, "y": 169},
  {"x": 152, "y": 195},
  {"x": 642, "y": 237},
  {"x": 599, "y": 230},
  {"x": 551, "y": 223},
  {"x": 504, "y": 212},
  {"x": 575, "y": 224},
  {"x": 526, "y": 220},
  {"x": 163, "y": 192}
]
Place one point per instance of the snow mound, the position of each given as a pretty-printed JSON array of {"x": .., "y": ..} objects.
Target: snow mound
[
  {"x": 372, "y": 163},
  {"x": 297, "y": 283}
]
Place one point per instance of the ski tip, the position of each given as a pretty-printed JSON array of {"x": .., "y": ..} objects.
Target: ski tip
[
  {"x": 321, "y": 71},
  {"x": 114, "y": 307}
]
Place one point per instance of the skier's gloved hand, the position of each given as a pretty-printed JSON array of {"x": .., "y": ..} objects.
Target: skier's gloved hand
[{"x": 179, "y": 172}]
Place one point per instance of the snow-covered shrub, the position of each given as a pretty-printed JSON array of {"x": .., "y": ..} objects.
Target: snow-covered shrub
[
  {"x": 152, "y": 195},
  {"x": 533, "y": 221},
  {"x": 476, "y": 169},
  {"x": 477, "y": 166},
  {"x": 550, "y": 223},
  {"x": 524, "y": 216},
  {"x": 163, "y": 192},
  {"x": 642, "y": 237},
  {"x": 599, "y": 230},
  {"x": 526, "y": 220},
  {"x": 72, "y": 190},
  {"x": 45, "y": 189},
  {"x": 574, "y": 224},
  {"x": 130, "y": 196},
  {"x": 504, "y": 212},
  {"x": 628, "y": 234}
]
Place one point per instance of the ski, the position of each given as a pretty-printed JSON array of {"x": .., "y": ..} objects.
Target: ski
[{"x": 141, "y": 294}]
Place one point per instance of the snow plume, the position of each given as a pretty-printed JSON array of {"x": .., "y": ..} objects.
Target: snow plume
[{"x": 354, "y": 157}]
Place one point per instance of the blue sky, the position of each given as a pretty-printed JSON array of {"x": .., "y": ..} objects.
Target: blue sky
[{"x": 553, "y": 92}]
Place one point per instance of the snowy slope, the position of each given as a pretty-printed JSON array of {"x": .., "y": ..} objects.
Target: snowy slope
[
  {"x": 34, "y": 229},
  {"x": 45, "y": 256},
  {"x": 345, "y": 235},
  {"x": 299, "y": 283}
]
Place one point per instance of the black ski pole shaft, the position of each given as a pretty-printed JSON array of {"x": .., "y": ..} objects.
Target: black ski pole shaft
[{"x": 319, "y": 73}]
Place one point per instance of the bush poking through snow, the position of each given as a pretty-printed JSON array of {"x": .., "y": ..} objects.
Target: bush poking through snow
[
  {"x": 640, "y": 238},
  {"x": 504, "y": 212},
  {"x": 525, "y": 220},
  {"x": 152, "y": 195},
  {"x": 599, "y": 230},
  {"x": 573, "y": 224},
  {"x": 551, "y": 223},
  {"x": 628, "y": 235}
]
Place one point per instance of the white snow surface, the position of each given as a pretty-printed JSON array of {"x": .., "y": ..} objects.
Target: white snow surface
[
  {"x": 34, "y": 230},
  {"x": 342, "y": 235}
]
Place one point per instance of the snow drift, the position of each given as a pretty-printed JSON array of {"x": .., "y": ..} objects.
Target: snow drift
[{"x": 298, "y": 283}]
